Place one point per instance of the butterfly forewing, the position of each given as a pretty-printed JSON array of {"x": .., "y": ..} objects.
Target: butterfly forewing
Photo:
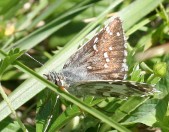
[{"x": 104, "y": 55}]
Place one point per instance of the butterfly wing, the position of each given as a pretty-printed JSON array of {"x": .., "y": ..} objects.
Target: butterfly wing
[
  {"x": 104, "y": 56},
  {"x": 112, "y": 88},
  {"x": 99, "y": 67}
]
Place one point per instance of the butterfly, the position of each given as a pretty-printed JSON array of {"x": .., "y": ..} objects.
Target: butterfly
[{"x": 99, "y": 67}]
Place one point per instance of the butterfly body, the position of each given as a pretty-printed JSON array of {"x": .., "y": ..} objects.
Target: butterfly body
[{"x": 99, "y": 67}]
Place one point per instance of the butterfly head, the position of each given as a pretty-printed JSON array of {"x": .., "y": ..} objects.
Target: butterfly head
[{"x": 57, "y": 78}]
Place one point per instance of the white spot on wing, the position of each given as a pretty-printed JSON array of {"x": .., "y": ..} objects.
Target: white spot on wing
[
  {"x": 125, "y": 38},
  {"x": 95, "y": 47},
  {"x": 125, "y": 45},
  {"x": 124, "y": 60},
  {"x": 108, "y": 30},
  {"x": 105, "y": 55},
  {"x": 110, "y": 48},
  {"x": 96, "y": 40},
  {"x": 106, "y": 66},
  {"x": 116, "y": 75},
  {"x": 118, "y": 34},
  {"x": 125, "y": 53},
  {"x": 124, "y": 67},
  {"x": 107, "y": 60},
  {"x": 105, "y": 27},
  {"x": 125, "y": 76},
  {"x": 89, "y": 67}
]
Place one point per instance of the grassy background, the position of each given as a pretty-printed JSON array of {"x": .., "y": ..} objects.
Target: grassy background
[{"x": 53, "y": 30}]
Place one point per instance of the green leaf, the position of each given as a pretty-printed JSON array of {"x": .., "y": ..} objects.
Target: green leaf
[
  {"x": 160, "y": 69},
  {"x": 145, "y": 114},
  {"x": 137, "y": 10},
  {"x": 9, "y": 59},
  {"x": 64, "y": 118},
  {"x": 40, "y": 34},
  {"x": 10, "y": 127}
]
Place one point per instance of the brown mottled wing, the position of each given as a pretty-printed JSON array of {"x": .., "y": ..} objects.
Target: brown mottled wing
[
  {"x": 112, "y": 88},
  {"x": 104, "y": 55}
]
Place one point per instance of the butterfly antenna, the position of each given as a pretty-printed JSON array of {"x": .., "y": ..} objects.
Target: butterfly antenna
[{"x": 34, "y": 59}]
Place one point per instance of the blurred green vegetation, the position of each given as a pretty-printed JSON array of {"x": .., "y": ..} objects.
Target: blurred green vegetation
[{"x": 51, "y": 31}]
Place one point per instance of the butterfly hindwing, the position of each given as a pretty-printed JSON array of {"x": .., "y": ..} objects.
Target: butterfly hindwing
[{"x": 110, "y": 88}]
